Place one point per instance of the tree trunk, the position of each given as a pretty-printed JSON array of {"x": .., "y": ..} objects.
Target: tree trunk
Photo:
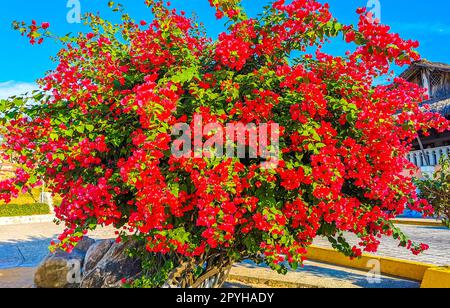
[{"x": 216, "y": 268}]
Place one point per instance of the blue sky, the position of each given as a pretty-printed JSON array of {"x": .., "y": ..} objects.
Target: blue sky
[{"x": 21, "y": 64}]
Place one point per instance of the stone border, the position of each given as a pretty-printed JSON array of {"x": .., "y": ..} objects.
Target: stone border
[
  {"x": 436, "y": 278},
  {"x": 270, "y": 282},
  {"x": 430, "y": 276},
  {"x": 18, "y": 220},
  {"x": 418, "y": 222},
  {"x": 388, "y": 266}
]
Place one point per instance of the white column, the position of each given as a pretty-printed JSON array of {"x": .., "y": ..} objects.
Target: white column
[
  {"x": 46, "y": 198},
  {"x": 426, "y": 81}
]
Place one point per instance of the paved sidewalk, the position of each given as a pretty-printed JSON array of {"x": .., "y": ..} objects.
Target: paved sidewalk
[
  {"x": 21, "y": 277},
  {"x": 438, "y": 238},
  {"x": 22, "y": 247},
  {"x": 315, "y": 275},
  {"x": 26, "y": 245},
  {"x": 249, "y": 275}
]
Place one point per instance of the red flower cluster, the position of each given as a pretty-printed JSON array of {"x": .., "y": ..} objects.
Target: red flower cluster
[
  {"x": 234, "y": 49},
  {"x": 229, "y": 8},
  {"x": 32, "y": 31}
]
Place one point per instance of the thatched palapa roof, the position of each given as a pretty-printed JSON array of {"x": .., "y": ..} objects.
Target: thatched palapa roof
[
  {"x": 439, "y": 105},
  {"x": 424, "y": 64}
]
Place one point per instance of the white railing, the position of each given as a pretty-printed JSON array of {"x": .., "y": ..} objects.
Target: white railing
[{"x": 434, "y": 154}]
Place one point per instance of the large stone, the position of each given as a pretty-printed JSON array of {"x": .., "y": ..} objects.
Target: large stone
[
  {"x": 85, "y": 244},
  {"x": 60, "y": 270},
  {"x": 95, "y": 253},
  {"x": 115, "y": 265}
]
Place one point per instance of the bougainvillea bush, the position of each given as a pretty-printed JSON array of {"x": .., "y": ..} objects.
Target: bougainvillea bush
[{"x": 99, "y": 131}]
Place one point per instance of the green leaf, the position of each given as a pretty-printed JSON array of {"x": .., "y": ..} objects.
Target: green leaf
[
  {"x": 79, "y": 129},
  {"x": 54, "y": 136}
]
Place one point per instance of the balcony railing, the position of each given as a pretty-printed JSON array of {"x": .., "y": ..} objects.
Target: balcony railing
[{"x": 434, "y": 154}]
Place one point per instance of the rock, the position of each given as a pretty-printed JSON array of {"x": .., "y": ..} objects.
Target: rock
[
  {"x": 85, "y": 244},
  {"x": 60, "y": 270},
  {"x": 95, "y": 253},
  {"x": 115, "y": 265},
  {"x": 91, "y": 264}
]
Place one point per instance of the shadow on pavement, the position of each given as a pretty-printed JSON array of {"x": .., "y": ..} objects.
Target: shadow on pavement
[
  {"x": 355, "y": 277},
  {"x": 30, "y": 252},
  {"x": 23, "y": 253}
]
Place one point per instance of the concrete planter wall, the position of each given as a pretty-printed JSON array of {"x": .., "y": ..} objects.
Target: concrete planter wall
[{"x": 4, "y": 221}]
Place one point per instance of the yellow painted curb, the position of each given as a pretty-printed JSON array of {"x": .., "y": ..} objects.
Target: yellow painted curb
[
  {"x": 427, "y": 223},
  {"x": 388, "y": 266},
  {"x": 429, "y": 275},
  {"x": 437, "y": 278}
]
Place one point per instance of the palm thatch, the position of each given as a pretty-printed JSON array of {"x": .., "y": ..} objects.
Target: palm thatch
[
  {"x": 439, "y": 105},
  {"x": 424, "y": 64}
]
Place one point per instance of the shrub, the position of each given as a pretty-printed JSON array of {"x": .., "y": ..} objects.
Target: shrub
[
  {"x": 12, "y": 210},
  {"x": 102, "y": 137},
  {"x": 28, "y": 197},
  {"x": 436, "y": 190}
]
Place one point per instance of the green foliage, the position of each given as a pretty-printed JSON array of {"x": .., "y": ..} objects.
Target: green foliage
[
  {"x": 31, "y": 197},
  {"x": 156, "y": 269},
  {"x": 436, "y": 190},
  {"x": 12, "y": 210},
  {"x": 154, "y": 280}
]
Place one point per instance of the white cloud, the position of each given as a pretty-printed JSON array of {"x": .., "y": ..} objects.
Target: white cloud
[{"x": 10, "y": 88}]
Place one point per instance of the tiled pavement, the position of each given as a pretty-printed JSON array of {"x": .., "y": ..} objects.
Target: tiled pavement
[
  {"x": 22, "y": 247},
  {"x": 316, "y": 274},
  {"x": 26, "y": 245},
  {"x": 438, "y": 238}
]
